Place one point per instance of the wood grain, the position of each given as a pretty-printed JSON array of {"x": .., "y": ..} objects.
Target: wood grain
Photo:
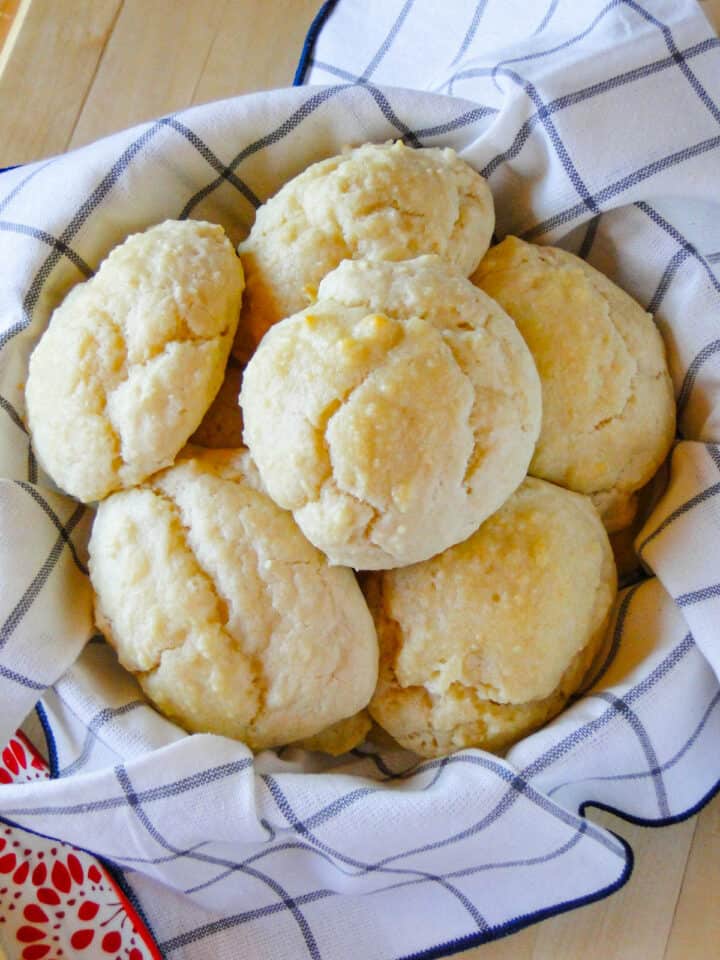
[
  {"x": 257, "y": 49},
  {"x": 47, "y": 73},
  {"x": 74, "y": 70},
  {"x": 633, "y": 924},
  {"x": 151, "y": 65}
]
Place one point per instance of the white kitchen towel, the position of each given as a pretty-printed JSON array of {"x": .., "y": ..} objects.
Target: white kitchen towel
[{"x": 598, "y": 128}]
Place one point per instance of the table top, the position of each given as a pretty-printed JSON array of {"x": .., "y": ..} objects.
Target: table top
[{"x": 107, "y": 64}]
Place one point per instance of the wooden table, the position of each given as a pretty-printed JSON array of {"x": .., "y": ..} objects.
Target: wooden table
[{"x": 74, "y": 70}]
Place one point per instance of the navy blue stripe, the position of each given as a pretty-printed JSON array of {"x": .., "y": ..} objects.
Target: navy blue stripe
[
  {"x": 47, "y": 238},
  {"x": 21, "y": 679},
  {"x": 698, "y": 596},
  {"x": 388, "y": 41},
  {"x": 471, "y": 31},
  {"x": 227, "y": 923},
  {"x": 32, "y": 467},
  {"x": 579, "y": 736},
  {"x": 663, "y": 768},
  {"x": 499, "y": 865},
  {"x": 624, "y": 183},
  {"x": 713, "y": 451},
  {"x": 364, "y": 867},
  {"x": 91, "y": 203},
  {"x": 464, "y": 120},
  {"x": 674, "y": 264},
  {"x": 547, "y": 18},
  {"x": 543, "y": 114},
  {"x": 713, "y": 257},
  {"x": 459, "y": 945},
  {"x": 701, "y": 92},
  {"x": 585, "y": 93},
  {"x": 645, "y": 743},
  {"x": 183, "y": 785},
  {"x": 518, "y": 787},
  {"x": 35, "y": 495},
  {"x": 321, "y": 17},
  {"x": 13, "y": 414},
  {"x": 18, "y": 188},
  {"x": 50, "y": 742},
  {"x": 671, "y": 231},
  {"x": 279, "y": 133},
  {"x": 699, "y": 498},
  {"x": 387, "y": 111},
  {"x": 40, "y": 579},
  {"x": 207, "y": 154},
  {"x": 86, "y": 208},
  {"x": 98, "y": 721},
  {"x": 538, "y": 55},
  {"x": 134, "y": 801},
  {"x": 618, "y": 629},
  {"x": 589, "y": 238},
  {"x": 708, "y": 351},
  {"x": 296, "y": 845}
]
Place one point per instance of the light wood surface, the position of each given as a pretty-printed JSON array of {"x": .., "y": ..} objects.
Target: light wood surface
[{"x": 74, "y": 70}]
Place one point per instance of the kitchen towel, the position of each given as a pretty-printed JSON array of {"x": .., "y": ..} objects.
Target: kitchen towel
[{"x": 598, "y": 127}]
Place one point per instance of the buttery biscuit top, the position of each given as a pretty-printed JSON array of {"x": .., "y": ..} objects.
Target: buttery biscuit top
[
  {"x": 376, "y": 202},
  {"x": 232, "y": 621},
  {"x": 395, "y": 414},
  {"x": 133, "y": 357},
  {"x": 486, "y": 641},
  {"x": 608, "y": 405}
]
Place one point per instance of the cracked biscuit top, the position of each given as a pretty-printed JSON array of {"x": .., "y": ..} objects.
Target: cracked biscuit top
[
  {"x": 608, "y": 407},
  {"x": 232, "y": 621},
  {"x": 487, "y": 641},
  {"x": 394, "y": 415},
  {"x": 133, "y": 357},
  {"x": 376, "y": 202}
]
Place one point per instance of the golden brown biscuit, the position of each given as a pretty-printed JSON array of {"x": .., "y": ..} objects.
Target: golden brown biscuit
[
  {"x": 133, "y": 357},
  {"x": 377, "y": 202},
  {"x": 487, "y": 641},
  {"x": 394, "y": 415},
  {"x": 608, "y": 406},
  {"x": 232, "y": 621},
  {"x": 341, "y": 737}
]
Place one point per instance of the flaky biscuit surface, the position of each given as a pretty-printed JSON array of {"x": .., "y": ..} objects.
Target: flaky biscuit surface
[
  {"x": 133, "y": 357},
  {"x": 376, "y": 202},
  {"x": 395, "y": 414},
  {"x": 608, "y": 405},
  {"x": 232, "y": 621},
  {"x": 485, "y": 642}
]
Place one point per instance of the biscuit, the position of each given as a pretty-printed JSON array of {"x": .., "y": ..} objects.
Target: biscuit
[
  {"x": 133, "y": 357},
  {"x": 487, "y": 641},
  {"x": 377, "y": 202},
  {"x": 394, "y": 415},
  {"x": 608, "y": 406},
  {"x": 232, "y": 621},
  {"x": 341, "y": 737}
]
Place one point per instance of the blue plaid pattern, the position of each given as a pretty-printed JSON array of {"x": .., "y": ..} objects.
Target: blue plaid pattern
[{"x": 589, "y": 120}]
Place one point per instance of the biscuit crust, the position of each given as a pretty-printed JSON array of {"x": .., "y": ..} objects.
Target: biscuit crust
[
  {"x": 394, "y": 415},
  {"x": 376, "y": 202},
  {"x": 487, "y": 641},
  {"x": 608, "y": 404},
  {"x": 233, "y": 623},
  {"x": 133, "y": 357}
]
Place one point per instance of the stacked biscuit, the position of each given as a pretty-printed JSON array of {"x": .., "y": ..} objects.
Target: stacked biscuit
[{"x": 465, "y": 424}]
